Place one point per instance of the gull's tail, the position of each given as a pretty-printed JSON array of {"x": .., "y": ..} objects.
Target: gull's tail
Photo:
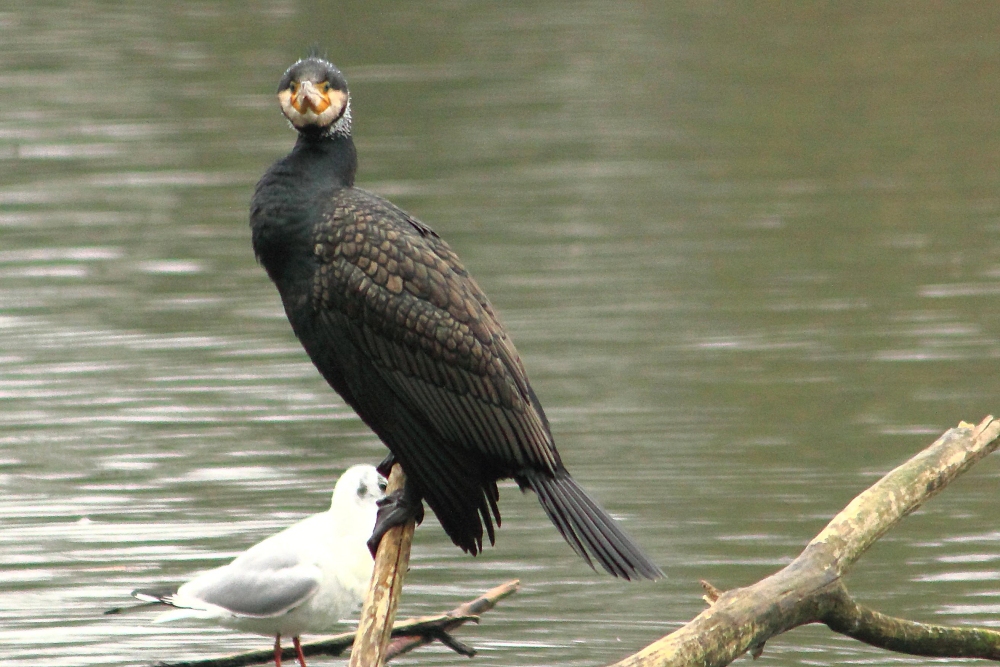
[{"x": 147, "y": 599}]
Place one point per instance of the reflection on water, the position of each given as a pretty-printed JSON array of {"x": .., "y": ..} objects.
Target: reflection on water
[{"x": 749, "y": 255}]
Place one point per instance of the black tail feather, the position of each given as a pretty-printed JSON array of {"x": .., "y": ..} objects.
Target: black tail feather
[
  {"x": 606, "y": 544},
  {"x": 592, "y": 533},
  {"x": 562, "y": 524}
]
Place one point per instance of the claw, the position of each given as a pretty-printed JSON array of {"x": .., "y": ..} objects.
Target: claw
[{"x": 395, "y": 510}]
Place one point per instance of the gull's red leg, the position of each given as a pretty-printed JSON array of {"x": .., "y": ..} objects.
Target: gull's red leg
[
  {"x": 298, "y": 651},
  {"x": 277, "y": 650}
]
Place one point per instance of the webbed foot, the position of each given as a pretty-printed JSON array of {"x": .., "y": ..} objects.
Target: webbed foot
[{"x": 395, "y": 510}]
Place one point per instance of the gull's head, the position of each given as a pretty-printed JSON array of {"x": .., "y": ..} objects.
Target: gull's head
[{"x": 358, "y": 491}]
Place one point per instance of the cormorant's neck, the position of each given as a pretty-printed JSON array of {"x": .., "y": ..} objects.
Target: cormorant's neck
[{"x": 333, "y": 156}]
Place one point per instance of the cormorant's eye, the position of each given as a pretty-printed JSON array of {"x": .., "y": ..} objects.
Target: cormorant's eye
[
  {"x": 324, "y": 87},
  {"x": 294, "y": 87}
]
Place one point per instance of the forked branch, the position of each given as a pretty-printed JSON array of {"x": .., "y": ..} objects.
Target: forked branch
[{"x": 810, "y": 590}]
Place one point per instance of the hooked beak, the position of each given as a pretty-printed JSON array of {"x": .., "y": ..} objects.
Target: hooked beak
[{"x": 309, "y": 98}]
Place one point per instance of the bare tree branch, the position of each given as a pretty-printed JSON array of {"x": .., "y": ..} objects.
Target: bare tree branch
[
  {"x": 405, "y": 641},
  {"x": 379, "y": 609},
  {"x": 809, "y": 589},
  {"x": 897, "y": 634},
  {"x": 406, "y": 635}
]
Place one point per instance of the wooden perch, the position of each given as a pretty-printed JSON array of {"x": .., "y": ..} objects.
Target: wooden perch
[
  {"x": 379, "y": 609},
  {"x": 405, "y": 640},
  {"x": 406, "y": 635},
  {"x": 810, "y": 590}
]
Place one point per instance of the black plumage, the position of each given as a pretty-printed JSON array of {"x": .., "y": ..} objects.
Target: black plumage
[{"x": 403, "y": 333}]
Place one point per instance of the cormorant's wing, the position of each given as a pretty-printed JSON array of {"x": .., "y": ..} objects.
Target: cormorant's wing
[{"x": 429, "y": 330}]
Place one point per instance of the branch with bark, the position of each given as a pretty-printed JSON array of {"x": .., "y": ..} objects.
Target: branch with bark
[
  {"x": 379, "y": 609},
  {"x": 406, "y": 635},
  {"x": 810, "y": 589}
]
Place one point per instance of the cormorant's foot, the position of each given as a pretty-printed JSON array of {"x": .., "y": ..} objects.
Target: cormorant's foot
[
  {"x": 385, "y": 467},
  {"x": 394, "y": 510}
]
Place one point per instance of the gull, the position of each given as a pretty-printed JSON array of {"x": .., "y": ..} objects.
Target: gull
[{"x": 301, "y": 580}]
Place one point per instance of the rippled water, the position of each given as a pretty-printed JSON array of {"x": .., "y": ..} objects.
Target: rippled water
[{"x": 749, "y": 254}]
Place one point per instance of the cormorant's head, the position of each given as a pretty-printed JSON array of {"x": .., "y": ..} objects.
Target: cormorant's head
[{"x": 314, "y": 98}]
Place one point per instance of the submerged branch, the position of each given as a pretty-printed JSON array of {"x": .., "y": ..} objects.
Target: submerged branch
[
  {"x": 904, "y": 636},
  {"x": 809, "y": 589}
]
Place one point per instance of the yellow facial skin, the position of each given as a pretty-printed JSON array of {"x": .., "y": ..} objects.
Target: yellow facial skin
[{"x": 306, "y": 103}]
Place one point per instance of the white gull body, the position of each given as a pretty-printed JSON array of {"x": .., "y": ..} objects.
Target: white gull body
[{"x": 302, "y": 580}]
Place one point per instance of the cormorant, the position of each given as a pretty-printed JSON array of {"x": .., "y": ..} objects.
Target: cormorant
[{"x": 398, "y": 327}]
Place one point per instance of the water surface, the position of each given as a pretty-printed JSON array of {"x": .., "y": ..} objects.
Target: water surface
[{"x": 749, "y": 254}]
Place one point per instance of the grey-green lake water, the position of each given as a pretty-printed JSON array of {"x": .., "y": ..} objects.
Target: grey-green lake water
[{"x": 749, "y": 252}]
